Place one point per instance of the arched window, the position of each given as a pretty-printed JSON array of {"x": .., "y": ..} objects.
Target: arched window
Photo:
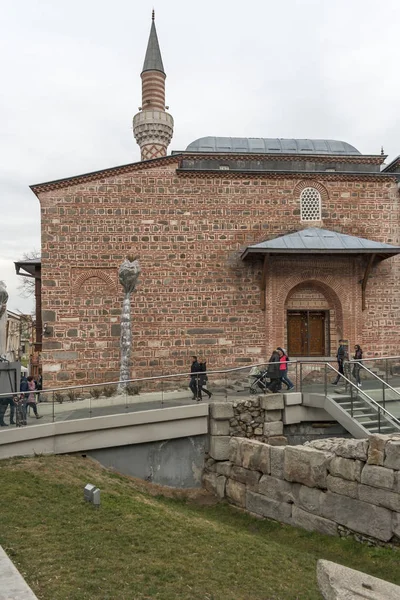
[{"x": 310, "y": 205}]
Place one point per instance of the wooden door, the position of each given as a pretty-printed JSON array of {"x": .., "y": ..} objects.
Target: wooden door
[
  {"x": 306, "y": 333},
  {"x": 316, "y": 333},
  {"x": 297, "y": 333}
]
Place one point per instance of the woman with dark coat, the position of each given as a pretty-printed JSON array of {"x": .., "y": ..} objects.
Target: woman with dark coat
[
  {"x": 274, "y": 373},
  {"x": 358, "y": 354}
]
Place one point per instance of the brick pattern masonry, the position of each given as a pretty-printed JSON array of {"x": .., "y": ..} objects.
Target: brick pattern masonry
[
  {"x": 195, "y": 295},
  {"x": 333, "y": 486}
]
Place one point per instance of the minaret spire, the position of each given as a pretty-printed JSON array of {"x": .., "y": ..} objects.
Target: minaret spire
[{"x": 153, "y": 126}]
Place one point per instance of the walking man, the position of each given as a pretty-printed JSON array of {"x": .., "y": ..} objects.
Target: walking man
[
  {"x": 194, "y": 379},
  {"x": 341, "y": 357}
]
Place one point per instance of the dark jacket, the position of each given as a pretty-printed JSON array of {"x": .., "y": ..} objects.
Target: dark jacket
[
  {"x": 23, "y": 385},
  {"x": 273, "y": 371},
  {"x": 195, "y": 368},
  {"x": 341, "y": 353}
]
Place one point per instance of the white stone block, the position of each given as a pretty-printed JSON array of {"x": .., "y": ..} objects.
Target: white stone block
[
  {"x": 219, "y": 427},
  {"x": 336, "y": 581},
  {"x": 221, "y": 410},
  {"x": 293, "y": 398},
  {"x": 273, "y": 428}
]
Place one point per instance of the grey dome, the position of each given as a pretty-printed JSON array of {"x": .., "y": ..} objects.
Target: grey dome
[{"x": 271, "y": 146}]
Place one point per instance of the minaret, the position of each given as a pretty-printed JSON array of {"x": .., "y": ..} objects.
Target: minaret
[{"x": 152, "y": 125}]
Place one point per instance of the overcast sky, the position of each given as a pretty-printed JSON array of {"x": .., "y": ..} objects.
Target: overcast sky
[{"x": 71, "y": 85}]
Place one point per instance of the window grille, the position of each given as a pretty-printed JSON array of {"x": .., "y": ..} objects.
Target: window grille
[{"x": 310, "y": 205}]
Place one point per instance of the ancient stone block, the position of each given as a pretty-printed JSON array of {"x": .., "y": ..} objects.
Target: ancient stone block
[
  {"x": 72, "y": 333},
  {"x": 376, "y": 476},
  {"x": 396, "y": 524},
  {"x": 392, "y": 455},
  {"x": 219, "y": 427},
  {"x": 245, "y": 476},
  {"x": 310, "y": 522},
  {"x": 357, "y": 449},
  {"x": 221, "y": 410},
  {"x": 277, "y": 458},
  {"x": 306, "y": 465},
  {"x": 346, "y": 468},
  {"x": 261, "y": 505},
  {"x": 277, "y": 440},
  {"x": 236, "y": 492},
  {"x": 376, "y": 450},
  {"x": 342, "y": 486},
  {"x": 272, "y": 402},
  {"x": 357, "y": 515},
  {"x": 273, "y": 415},
  {"x": 277, "y": 489},
  {"x": 223, "y": 468},
  {"x": 379, "y": 497},
  {"x": 214, "y": 483},
  {"x": 219, "y": 447},
  {"x": 255, "y": 455},
  {"x": 339, "y": 583},
  {"x": 234, "y": 451},
  {"x": 273, "y": 428},
  {"x": 309, "y": 499}
]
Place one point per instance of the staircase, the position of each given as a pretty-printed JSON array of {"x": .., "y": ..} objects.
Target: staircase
[{"x": 360, "y": 414}]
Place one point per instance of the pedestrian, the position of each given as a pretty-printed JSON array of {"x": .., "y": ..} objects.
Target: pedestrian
[
  {"x": 274, "y": 373},
  {"x": 358, "y": 354},
  {"x": 341, "y": 356},
  {"x": 31, "y": 402},
  {"x": 194, "y": 379},
  {"x": 283, "y": 367},
  {"x": 202, "y": 381},
  {"x": 39, "y": 386}
]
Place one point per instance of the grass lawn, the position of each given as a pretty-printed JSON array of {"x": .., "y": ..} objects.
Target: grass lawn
[{"x": 142, "y": 545}]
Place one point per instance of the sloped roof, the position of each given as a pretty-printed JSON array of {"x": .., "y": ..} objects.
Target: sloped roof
[
  {"x": 271, "y": 146},
  {"x": 321, "y": 241},
  {"x": 153, "y": 60}
]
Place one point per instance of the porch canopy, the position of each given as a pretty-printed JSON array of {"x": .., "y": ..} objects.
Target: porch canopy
[{"x": 322, "y": 241}]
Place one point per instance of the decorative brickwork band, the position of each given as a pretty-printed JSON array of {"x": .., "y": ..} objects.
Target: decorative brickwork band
[
  {"x": 93, "y": 273},
  {"x": 311, "y": 183}
]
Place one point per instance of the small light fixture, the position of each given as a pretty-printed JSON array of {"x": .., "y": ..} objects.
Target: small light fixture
[{"x": 91, "y": 494}]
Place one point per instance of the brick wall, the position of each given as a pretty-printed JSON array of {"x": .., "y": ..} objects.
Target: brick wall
[{"x": 196, "y": 295}]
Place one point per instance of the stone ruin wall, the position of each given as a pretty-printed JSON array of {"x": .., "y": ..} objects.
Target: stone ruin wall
[{"x": 333, "y": 486}]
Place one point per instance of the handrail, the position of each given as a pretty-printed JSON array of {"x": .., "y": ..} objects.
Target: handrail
[
  {"x": 376, "y": 376},
  {"x": 378, "y": 358},
  {"x": 140, "y": 379},
  {"x": 371, "y": 400}
]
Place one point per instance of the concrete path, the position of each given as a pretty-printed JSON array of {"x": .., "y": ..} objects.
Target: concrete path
[{"x": 12, "y": 585}]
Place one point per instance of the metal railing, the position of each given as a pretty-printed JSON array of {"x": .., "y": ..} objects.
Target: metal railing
[
  {"x": 167, "y": 388},
  {"x": 355, "y": 394}
]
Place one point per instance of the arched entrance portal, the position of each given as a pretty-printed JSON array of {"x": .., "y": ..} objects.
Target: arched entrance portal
[{"x": 312, "y": 320}]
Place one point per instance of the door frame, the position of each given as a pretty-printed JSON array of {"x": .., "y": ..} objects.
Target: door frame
[{"x": 327, "y": 341}]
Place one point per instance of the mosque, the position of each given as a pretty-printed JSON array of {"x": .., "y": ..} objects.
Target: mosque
[{"x": 244, "y": 244}]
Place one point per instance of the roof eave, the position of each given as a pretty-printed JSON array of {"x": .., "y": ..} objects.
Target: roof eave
[{"x": 385, "y": 253}]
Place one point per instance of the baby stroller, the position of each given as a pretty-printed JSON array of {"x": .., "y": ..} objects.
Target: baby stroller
[{"x": 260, "y": 380}]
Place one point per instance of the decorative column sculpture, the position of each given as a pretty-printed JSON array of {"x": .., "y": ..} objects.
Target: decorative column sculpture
[
  {"x": 128, "y": 275},
  {"x": 3, "y": 318}
]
